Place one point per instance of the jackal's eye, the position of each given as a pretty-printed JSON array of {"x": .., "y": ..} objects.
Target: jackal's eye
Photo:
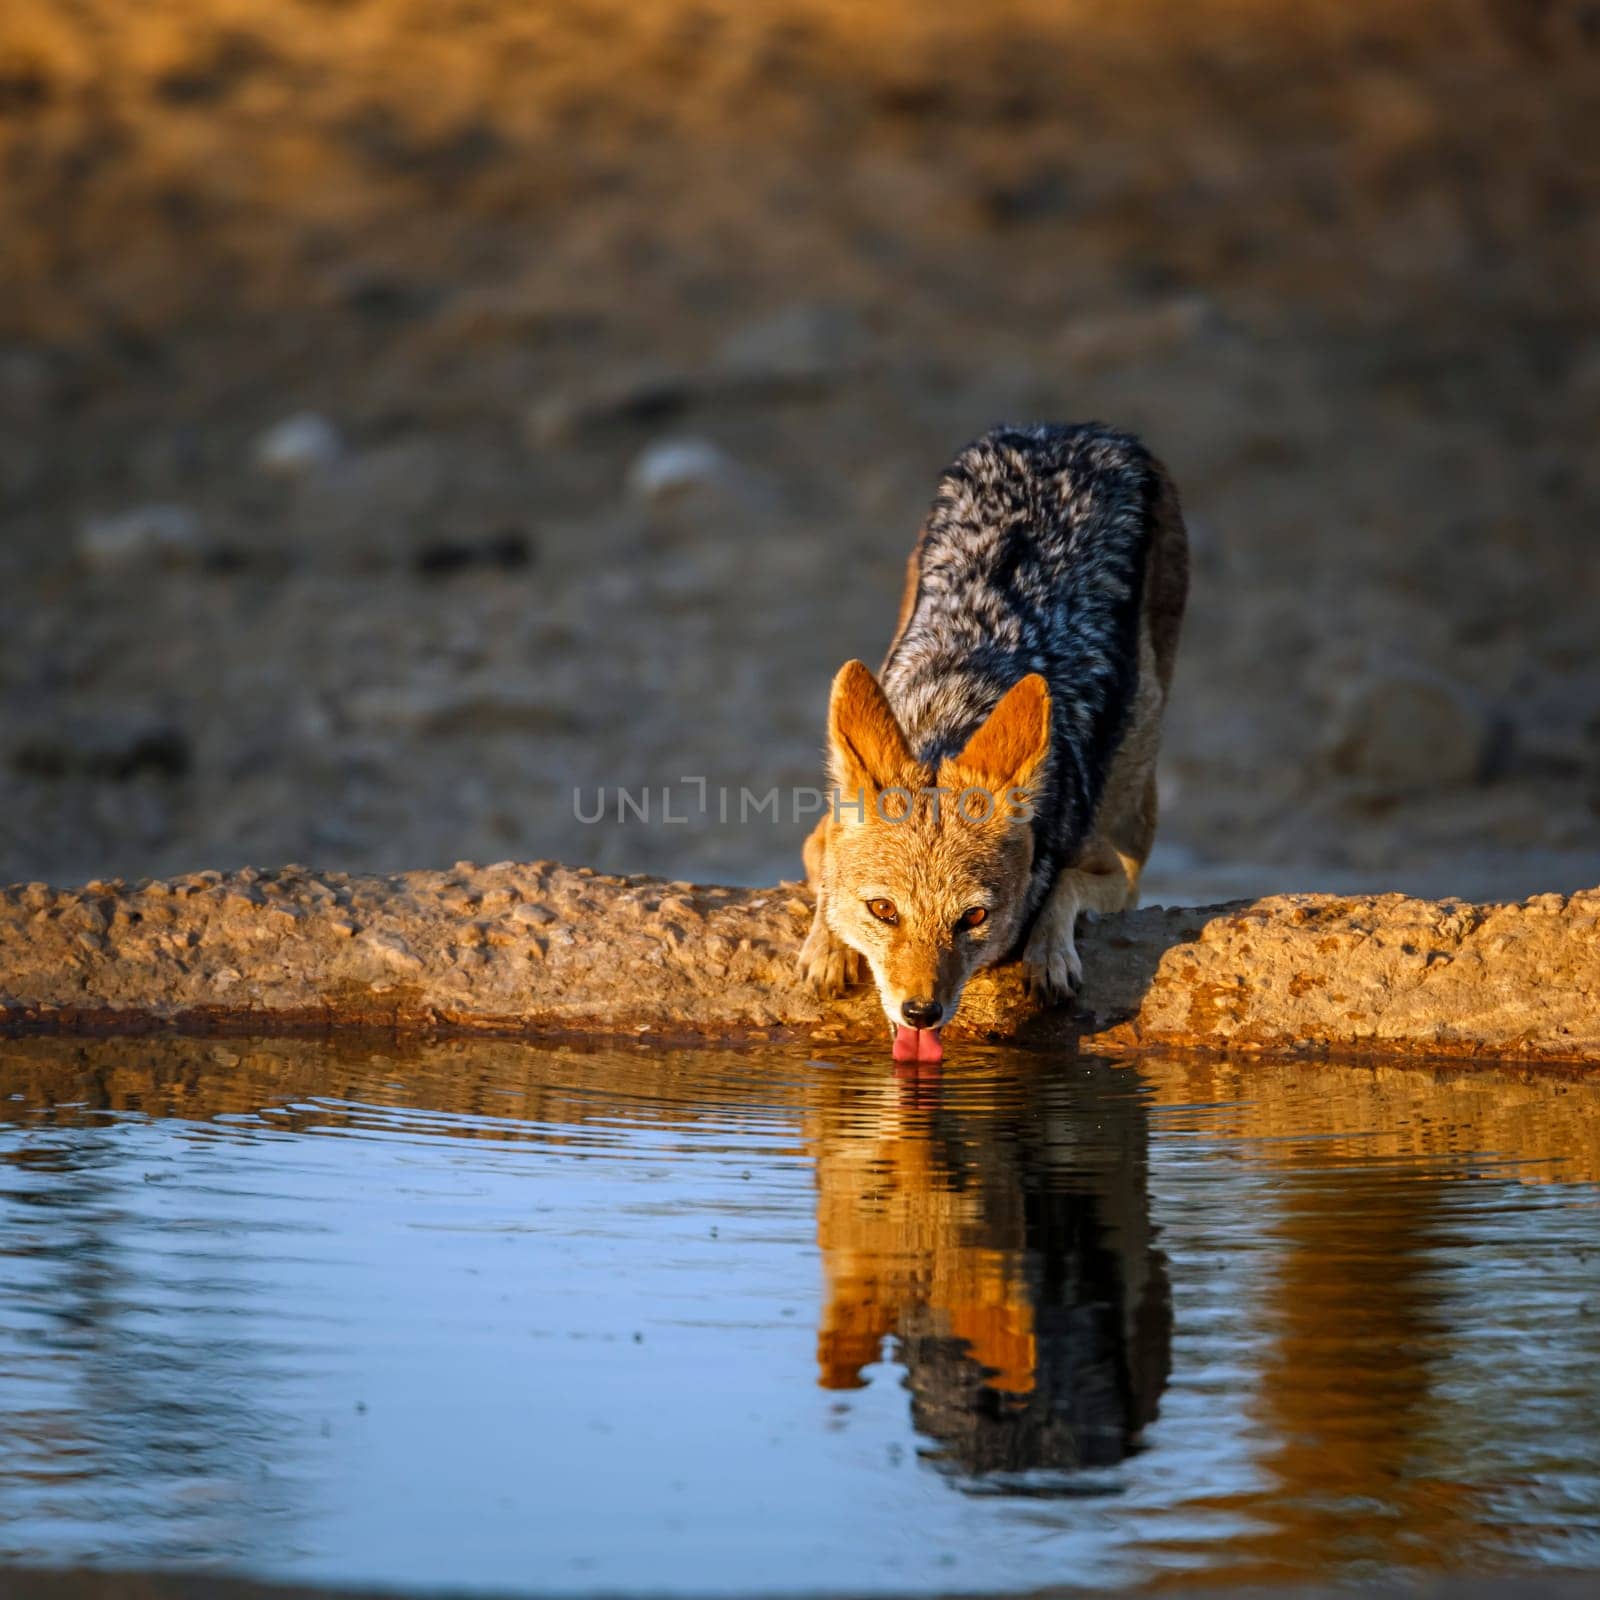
[
  {"x": 883, "y": 910},
  {"x": 971, "y": 917}
]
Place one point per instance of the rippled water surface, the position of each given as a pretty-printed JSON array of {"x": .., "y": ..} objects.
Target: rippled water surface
[{"x": 559, "y": 1320}]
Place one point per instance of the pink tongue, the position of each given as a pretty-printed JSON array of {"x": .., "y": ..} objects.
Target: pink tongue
[{"x": 917, "y": 1044}]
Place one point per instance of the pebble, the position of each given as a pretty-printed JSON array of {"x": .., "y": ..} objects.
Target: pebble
[
  {"x": 298, "y": 446},
  {"x": 693, "y": 476},
  {"x": 680, "y": 469}
]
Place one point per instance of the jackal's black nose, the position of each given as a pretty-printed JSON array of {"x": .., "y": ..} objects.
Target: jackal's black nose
[{"x": 921, "y": 1013}]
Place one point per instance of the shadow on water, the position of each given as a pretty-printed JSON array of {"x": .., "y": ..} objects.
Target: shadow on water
[{"x": 1157, "y": 1322}]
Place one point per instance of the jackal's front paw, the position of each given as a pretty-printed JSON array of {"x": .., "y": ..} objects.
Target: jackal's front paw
[
  {"x": 1051, "y": 966},
  {"x": 827, "y": 965}
]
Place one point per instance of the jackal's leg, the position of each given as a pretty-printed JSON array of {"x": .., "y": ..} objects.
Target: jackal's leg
[
  {"x": 828, "y": 965},
  {"x": 1101, "y": 879},
  {"x": 825, "y": 963}
]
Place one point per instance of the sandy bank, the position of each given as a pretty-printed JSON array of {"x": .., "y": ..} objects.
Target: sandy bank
[{"x": 538, "y": 948}]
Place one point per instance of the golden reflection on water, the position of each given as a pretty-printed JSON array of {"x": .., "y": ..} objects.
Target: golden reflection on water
[
  {"x": 1312, "y": 1112},
  {"x": 1545, "y": 1120},
  {"x": 1347, "y": 1399},
  {"x": 990, "y": 1231}
]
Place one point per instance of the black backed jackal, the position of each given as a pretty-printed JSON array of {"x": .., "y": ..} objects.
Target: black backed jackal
[{"x": 998, "y": 776}]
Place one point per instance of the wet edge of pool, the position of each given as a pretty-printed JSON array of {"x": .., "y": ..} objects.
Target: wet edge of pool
[{"x": 34, "y": 1583}]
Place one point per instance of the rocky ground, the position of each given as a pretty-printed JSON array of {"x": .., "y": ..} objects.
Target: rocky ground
[{"x": 414, "y": 410}]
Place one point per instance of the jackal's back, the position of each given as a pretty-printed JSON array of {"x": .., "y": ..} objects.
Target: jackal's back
[{"x": 1033, "y": 558}]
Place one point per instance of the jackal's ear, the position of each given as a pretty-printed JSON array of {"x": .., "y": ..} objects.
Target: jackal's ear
[
  {"x": 866, "y": 749},
  {"x": 1009, "y": 749}
]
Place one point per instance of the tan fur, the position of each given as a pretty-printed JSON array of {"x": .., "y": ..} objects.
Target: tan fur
[
  {"x": 826, "y": 962},
  {"x": 867, "y": 750},
  {"x": 933, "y": 863}
]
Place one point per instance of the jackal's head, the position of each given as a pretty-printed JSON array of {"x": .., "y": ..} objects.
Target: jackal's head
[{"x": 928, "y": 867}]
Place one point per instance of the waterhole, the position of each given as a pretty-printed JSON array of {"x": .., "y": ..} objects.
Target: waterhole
[{"x": 532, "y": 1320}]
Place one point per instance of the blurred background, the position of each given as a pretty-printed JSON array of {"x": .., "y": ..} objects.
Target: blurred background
[{"x": 414, "y": 410}]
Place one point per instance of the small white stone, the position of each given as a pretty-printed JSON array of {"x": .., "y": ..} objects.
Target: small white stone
[
  {"x": 675, "y": 469},
  {"x": 298, "y": 446}
]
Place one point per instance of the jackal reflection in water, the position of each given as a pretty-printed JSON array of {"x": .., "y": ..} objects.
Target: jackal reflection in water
[{"x": 997, "y": 1226}]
